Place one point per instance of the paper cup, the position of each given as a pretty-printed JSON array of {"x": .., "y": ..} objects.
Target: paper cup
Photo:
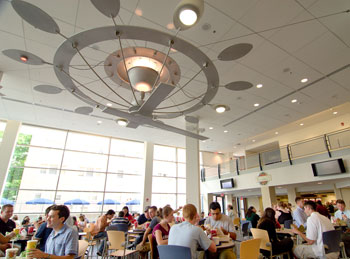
[
  {"x": 31, "y": 244},
  {"x": 11, "y": 253},
  {"x": 16, "y": 230},
  {"x": 216, "y": 240}
]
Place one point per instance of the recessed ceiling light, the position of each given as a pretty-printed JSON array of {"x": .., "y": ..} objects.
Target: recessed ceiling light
[
  {"x": 294, "y": 100},
  {"x": 256, "y": 104},
  {"x": 259, "y": 85},
  {"x": 220, "y": 108},
  {"x": 211, "y": 128},
  {"x": 225, "y": 131},
  {"x": 304, "y": 80},
  {"x": 24, "y": 58},
  {"x": 99, "y": 122},
  {"x": 335, "y": 113},
  {"x": 276, "y": 132},
  {"x": 138, "y": 12},
  {"x": 253, "y": 140},
  {"x": 109, "y": 104},
  {"x": 203, "y": 141},
  {"x": 122, "y": 122},
  {"x": 301, "y": 124}
]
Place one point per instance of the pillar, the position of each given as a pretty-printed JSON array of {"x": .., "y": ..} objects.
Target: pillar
[
  {"x": 291, "y": 195},
  {"x": 268, "y": 194},
  {"x": 192, "y": 167},
  {"x": 338, "y": 193},
  {"x": 147, "y": 178},
  {"x": 228, "y": 200},
  {"x": 7, "y": 148}
]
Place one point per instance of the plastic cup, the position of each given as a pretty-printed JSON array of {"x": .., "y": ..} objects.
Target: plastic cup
[
  {"x": 16, "y": 230},
  {"x": 11, "y": 253},
  {"x": 216, "y": 240},
  {"x": 30, "y": 230},
  {"x": 31, "y": 244},
  {"x": 213, "y": 232}
]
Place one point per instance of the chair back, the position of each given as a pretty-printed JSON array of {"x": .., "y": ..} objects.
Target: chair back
[
  {"x": 119, "y": 227},
  {"x": 264, "y": 236},
  {"x": 174, "y": 252},
  {"x": 245, "y": 228},
  {"x": 250, "y": 249},
  {"x": 288, "y": 223},
  {"x": 116, "y": 239},
  {"x": 83, "y": 245},
  {"x": 332, "y": 240},
  {"x": 153, "y": 247},
  {"x": 236, "y": 221}
]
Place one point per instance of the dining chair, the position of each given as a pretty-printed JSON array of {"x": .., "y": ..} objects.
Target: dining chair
[
  {"x": 116, "y": 241},
  {"x": 250, "y": 249},
  {"x": 332, "y": 242},
  {"x": 83, "y": 245},
  {"x": 174, "y": 252},
  {"x": 265, "y": 242}
]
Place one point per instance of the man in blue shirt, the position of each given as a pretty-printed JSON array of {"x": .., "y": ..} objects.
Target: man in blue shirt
[
  {"x": 43, "y": 231},
  {"x": 341, "y": 213},
  {"x": 63, "y": 240},
  {"x": 299, "y": 214}
]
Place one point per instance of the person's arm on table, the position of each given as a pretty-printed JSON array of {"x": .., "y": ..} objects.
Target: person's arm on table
[
  {"x": 303, "y": 236},
  {"x": 145, "y": 235},
  {"x": 159, "y": 238},
  {"x": 232, "y": 234},
  {"x": 36, "y": 253},
  {"x": 6, "y": 239}
]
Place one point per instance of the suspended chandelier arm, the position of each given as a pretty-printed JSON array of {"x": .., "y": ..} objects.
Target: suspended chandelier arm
[
  {"x": 93, "y": 70},
  {"x": 189, "y": 81},
  {"x": 88, "y": 89},
  {"x": 126, "y": 70},
  {"x": 194, "y": 98}
]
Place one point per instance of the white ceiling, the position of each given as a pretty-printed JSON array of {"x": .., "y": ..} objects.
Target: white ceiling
[{"x": 280, "y": 39}]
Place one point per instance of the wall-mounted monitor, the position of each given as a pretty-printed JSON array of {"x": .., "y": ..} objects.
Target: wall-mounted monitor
[
  {"x": 227, "y": 183},
  {"x": 328, "y": 167}
]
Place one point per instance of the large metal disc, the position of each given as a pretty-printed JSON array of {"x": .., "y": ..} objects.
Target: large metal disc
[
  {"x": 17, "y": 54},
  {"x": 235, "y": 52},
  {"x": 110, "y": 8},
  {"x": 48, "y": 89},
  {"x": 35, "y": 16},
  {"x": 238, "y": 86}
]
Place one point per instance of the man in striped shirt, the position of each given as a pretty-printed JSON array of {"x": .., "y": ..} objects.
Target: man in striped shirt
[{"x": 120, "y": 219}]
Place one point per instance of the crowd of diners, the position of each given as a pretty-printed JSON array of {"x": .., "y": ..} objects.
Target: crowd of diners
[{"x": 57, "y": 231}]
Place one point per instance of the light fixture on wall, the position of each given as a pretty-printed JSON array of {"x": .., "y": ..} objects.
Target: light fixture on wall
[
  {"x": 221, "y": 108},
  {"x": 187, "y": 13},
  {"x": 122, "y": 122}
]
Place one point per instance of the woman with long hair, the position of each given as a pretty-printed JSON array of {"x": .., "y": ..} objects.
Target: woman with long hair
[
  {"x": 268, "y": 223},
  {"x": 283, "y": 213},
  {"x": 251, "y": 216},
  {"x": 126, "y": 214}
]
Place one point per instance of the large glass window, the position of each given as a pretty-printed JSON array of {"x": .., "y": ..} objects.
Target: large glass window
[
  {"x": 2, "y": 129},
  {"x": 80, "y": 170},
  {"x": 169, "y": 176}
]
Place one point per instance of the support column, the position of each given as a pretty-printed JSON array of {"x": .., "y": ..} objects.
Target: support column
[
  {"x": 207, "y": 200},
  {"x": 147, "y": 178},
  {"x": 228, "y": 200},
  {"x": 268, "y": 194},
  {"x": 192, "y": 168},
  {"x": 338, "y": 193},
  {"x": 291, "y": 195},
  {"x": 7, "y": 147}
]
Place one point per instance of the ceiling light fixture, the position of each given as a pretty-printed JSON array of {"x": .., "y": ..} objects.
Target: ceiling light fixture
[
  {"x": 259, "y": 85},
  {"x": 99, "y": 122},
  {"x": 256, "y": 104},
  {"x": 225, "y": 131},
  {"x": 122, "y": 122},
  {"x": 220, "y": 108},
  {"x": 301, "y": 124},
  {"x": 276, "y": 132},
  {"x": 24, "y": 58},
  {"x": 187, "y": 13},
  {"x": 294, "y": 100},
  {"x": 304, "y": 80},
  {"x": 109, "y": 104},
  {"x": 335, "y": 113},
  {"x": 253, "y": 140},
  {"x": 211, "y": 128}
]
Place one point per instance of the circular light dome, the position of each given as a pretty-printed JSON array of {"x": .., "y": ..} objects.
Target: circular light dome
[
  {"x": 188, "y": 17},
  {"x": 122, "y": 122},
  {"x": 142, "y": 78},
  {"x": 220, "y": 108}
]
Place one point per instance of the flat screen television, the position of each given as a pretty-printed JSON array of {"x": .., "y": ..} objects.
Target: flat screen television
[
  {"x": 227, "y": 183},
  {"x": 328, "y": 167}
]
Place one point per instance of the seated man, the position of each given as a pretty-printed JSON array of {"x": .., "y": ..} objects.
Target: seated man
[
  {"x": 217, "y": 220},
  {"x": 316, "y": 225},
  {"x": 299, "y": 214},
  {"x": 343, "y": 214},
  {"x": 144, "y": 217},
  {"x": 120, "y": 219},
  {"x": 155, "y": 220},
  {"x": 63, "y": 240},
  {"x": 43, "y": 231},
  {"x": 6, "y": 223},
  {"x": 188, "y": 235},
  {"x": 99, "y": 230}
]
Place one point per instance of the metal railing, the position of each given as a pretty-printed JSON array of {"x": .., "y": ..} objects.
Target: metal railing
[{"x": 326, "y": 143}]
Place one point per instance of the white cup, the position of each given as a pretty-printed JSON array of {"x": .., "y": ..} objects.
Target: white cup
[
  {"x": 11, "y": 253},
  {"x": 216, "y": 240}
]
